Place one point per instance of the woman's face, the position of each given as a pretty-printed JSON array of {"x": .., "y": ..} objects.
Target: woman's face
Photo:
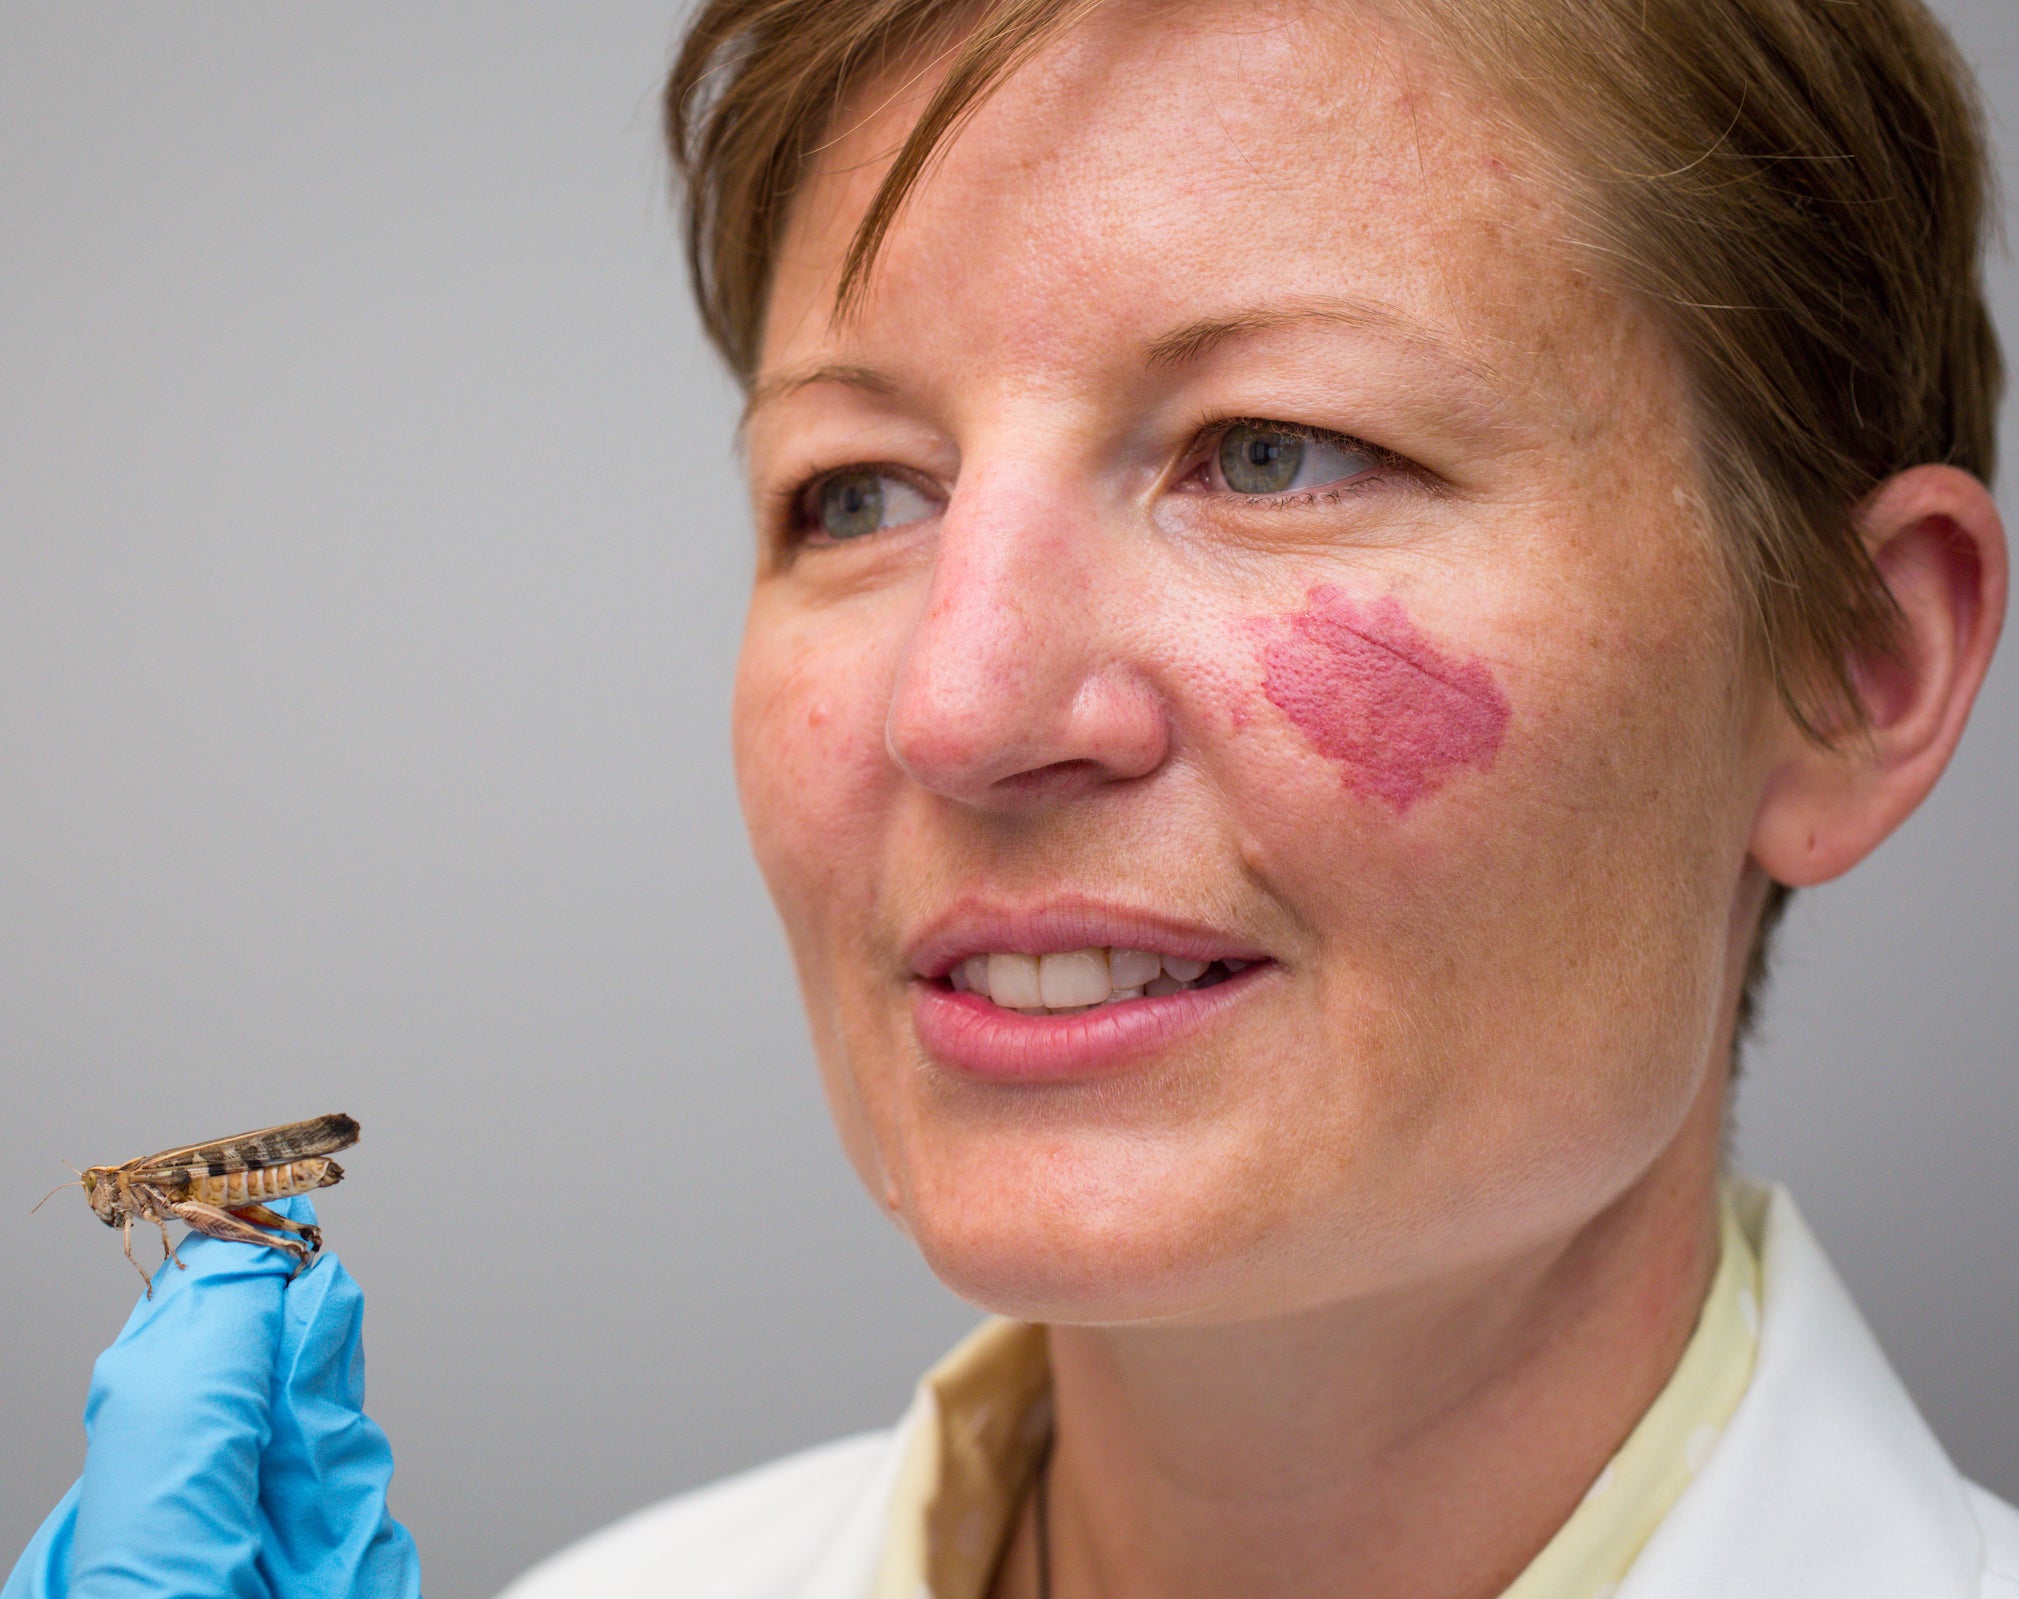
[{"x": 1237, "y": 528}]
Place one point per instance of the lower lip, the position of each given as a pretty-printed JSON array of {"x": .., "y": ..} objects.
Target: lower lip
[{"x": 967, "y": 1034}]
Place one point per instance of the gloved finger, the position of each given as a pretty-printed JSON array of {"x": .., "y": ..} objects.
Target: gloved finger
[
  {"x": 327, "y": 1531},
  {"x": 178, "y": 1417}
]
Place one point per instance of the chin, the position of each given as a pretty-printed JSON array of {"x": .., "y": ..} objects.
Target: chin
[
  {"x": 1052, "y": 1233},
  {"x": 1033, "y": 1271}
]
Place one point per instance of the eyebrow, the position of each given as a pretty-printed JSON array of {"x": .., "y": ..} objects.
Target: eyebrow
[
  {"x": 1181, "y": 346},
  {"x": 1197, "y": 339},
  {"x": 767, "y": 391}
]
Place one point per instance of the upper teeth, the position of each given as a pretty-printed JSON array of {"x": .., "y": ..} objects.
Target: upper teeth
[{"x": 1077, "y": 978}]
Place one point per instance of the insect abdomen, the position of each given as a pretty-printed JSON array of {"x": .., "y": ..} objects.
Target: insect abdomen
[{"x": 266, "y": 1182}]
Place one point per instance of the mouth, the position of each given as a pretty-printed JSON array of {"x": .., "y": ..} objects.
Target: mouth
[
  {"x": 1047, "y": 997},
  {"x": 1073, "y": 981}
]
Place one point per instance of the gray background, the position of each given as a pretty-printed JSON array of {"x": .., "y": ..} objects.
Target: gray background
[{"x": 371, "y": 561}]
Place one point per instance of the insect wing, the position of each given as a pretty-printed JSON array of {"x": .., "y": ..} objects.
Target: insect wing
[{"x": 266, "y": 1146}]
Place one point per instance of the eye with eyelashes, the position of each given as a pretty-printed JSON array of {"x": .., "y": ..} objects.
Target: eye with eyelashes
[
  {"x": 1250, "y": 460},
  {"x": 853, "y": 502},
  {"x": 1259, "y": 460}
]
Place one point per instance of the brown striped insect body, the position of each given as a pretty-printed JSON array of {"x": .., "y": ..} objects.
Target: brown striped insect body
[{"x": 219, "y": 1188}]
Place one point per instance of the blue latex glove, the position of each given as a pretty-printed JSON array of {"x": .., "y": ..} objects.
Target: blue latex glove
[{"x": 229, "y": 1455}]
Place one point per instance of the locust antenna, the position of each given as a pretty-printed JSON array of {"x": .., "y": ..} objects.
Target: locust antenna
[{"x": 77, "y": 1182}]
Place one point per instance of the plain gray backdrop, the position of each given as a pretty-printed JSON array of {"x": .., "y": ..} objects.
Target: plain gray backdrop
[{"x": 371, "y": 564}]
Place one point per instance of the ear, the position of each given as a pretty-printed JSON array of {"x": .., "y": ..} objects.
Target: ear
[{"x": 1936, "y": 538}]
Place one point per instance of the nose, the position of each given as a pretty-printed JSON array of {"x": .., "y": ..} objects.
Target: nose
[{"x": 1017, "y": 684}]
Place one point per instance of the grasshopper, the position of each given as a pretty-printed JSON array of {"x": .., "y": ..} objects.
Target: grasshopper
[{"x": 216, "y": 1188}]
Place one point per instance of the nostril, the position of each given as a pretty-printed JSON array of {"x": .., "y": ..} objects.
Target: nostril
[{"x": 1049, "y": 782}]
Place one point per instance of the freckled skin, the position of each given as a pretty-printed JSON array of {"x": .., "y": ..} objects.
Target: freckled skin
[
  {"x": 1435, "y": 1192},
  {"x": 1372, "y": 693},
  {"x": 1488, "y": 1040},
  {"x": 1500, "y": 981}
]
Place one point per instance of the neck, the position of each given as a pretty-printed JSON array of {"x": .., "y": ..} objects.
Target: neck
[{"x": 1423, "y": 1447}]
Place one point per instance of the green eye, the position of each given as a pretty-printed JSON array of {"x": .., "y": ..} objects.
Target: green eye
[
  {"x": 858, "y": 500},
  {"x": 1260, "y": 460},
  {"x": 851, "y": 504},
  {"x": 1256, "y": 458}
]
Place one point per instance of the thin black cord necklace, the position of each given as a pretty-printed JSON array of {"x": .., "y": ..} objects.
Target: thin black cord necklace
[{"x": 1042, "y": 1522}]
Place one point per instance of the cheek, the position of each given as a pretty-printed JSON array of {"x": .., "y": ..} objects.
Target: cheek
[
  {"x": 1397, "y": 715},
  {"x": 1493, "y": 876},
  {"x": 807, "y": 730},
  {"x": 807, "y": 727}
]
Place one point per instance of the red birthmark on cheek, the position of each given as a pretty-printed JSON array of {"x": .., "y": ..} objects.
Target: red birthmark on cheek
[{"x": 1373, "y": 693}]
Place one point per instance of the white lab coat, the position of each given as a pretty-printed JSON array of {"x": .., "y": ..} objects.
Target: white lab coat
[{"x": 1825, "y": 1485}]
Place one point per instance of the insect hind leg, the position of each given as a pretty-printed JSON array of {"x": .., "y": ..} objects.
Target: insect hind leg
[
  {"x": 260, "y": 1216},
  {"x": 215, "y": 1223}
]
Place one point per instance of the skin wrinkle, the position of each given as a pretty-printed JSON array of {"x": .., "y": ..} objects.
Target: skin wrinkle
[{"x": 1372, "y": 693}]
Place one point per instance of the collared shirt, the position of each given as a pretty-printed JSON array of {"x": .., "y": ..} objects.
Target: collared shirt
[{"x": 961, "y": 1481}]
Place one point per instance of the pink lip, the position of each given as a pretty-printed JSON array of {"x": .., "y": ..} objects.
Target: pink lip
[
  {"x": 1062, "y": 924},
  {"x": 974, "y": 1037}
]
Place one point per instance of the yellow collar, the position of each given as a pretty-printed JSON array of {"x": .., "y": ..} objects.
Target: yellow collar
[{"x": 986, "y": 1413}]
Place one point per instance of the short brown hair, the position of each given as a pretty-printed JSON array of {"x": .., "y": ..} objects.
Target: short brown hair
[{"x": 1799, "y": 188}]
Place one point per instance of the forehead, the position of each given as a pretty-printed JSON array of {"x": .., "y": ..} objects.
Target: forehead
[{"x": 1162, "y": 166}]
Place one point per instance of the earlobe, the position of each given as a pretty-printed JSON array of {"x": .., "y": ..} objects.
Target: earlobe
[{"x": 1936, "y": 538}]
